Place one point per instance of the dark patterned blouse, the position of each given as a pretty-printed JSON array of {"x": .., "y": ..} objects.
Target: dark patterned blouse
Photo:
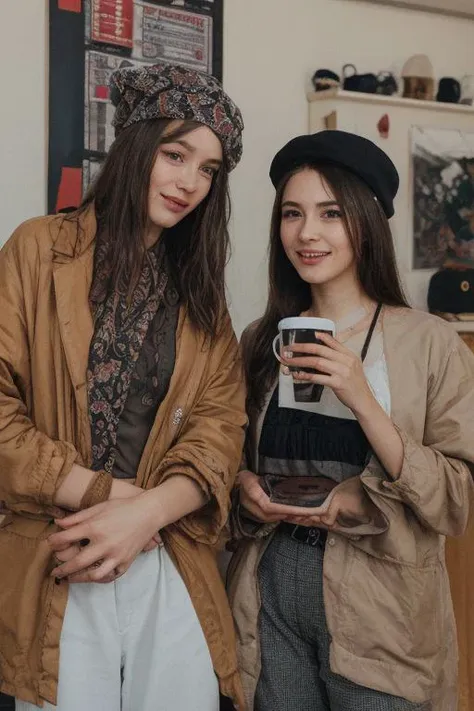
[{"x": 131, "y": 361}]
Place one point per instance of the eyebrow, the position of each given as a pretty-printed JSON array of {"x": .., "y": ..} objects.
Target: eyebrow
[
  {"x": 325, "y": 203},
  {"x": 192, "y": 149}
]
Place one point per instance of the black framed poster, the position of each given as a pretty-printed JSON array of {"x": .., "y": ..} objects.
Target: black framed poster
[{"x": 88, "y": 40}]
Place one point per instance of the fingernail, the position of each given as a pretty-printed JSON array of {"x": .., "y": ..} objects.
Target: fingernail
[
  {"x": 287, "y": 354},
  {"x": 285, "y": 370}
]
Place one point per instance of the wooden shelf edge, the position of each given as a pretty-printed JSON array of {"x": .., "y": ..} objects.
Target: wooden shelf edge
[
  {"x": 463, "y": 326},
  {"x": 382, "y": 100}
]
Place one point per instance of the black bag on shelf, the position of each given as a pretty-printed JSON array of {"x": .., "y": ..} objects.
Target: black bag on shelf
[
  {"x": 452, "y": 291},
  {"x": 366, "y": 83}
]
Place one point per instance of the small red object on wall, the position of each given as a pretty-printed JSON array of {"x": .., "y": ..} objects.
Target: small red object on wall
[
  {"x": 70, "y": 5},
  {"x": 70, "y": 188},
  {"x": 384, "y": 126}
]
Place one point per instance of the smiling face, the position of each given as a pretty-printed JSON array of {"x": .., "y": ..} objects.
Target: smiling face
[
  {"x": 313, "y": 232},
  {"x": 181, "y": 177}
]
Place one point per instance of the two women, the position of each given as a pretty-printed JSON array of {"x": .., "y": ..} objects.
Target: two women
[
  {"x": 346, "y": 606},
  {"x": 121, "y": 399}
]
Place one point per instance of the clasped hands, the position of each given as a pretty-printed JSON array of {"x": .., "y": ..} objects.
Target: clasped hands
[{"x": 100, "y": 543}]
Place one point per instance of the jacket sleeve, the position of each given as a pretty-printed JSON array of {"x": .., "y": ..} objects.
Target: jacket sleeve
[
  {"x": 209, "y": 448},
  {"x": 32, "y": 465},
  {"x": 436, "y": 477}
]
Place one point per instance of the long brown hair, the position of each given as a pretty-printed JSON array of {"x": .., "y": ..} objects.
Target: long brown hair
[
  {"x": 369, "y": 233},
  {"x": 197, "y": 247}
]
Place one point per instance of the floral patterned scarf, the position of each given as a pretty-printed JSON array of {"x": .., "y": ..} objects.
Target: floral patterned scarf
[{"x": 120, "y": 330}]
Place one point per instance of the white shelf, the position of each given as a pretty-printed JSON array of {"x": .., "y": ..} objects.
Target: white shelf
[
  {"x": 382, "y": 100},
  {"x": 463, "y": 326}
]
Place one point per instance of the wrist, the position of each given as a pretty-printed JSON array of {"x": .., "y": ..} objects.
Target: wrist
[
  {"x": 366, "y": 407},
  {"x": 123, "y": 490},
  {"x": 152, "y": 509}
]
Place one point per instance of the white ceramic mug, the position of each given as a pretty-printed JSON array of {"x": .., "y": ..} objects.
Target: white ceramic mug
[{"x": 302, "y": 329}]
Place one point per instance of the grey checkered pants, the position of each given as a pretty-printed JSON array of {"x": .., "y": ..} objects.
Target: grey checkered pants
[{"x": 295, "y": 640}]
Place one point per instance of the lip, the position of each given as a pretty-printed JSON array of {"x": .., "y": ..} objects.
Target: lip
[
  {"x": 312, "y": 257},
  {"x": 174, "y": 204}
]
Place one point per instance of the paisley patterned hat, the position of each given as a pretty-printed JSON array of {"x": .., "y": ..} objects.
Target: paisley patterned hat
[{"x": 170, "y": 91}]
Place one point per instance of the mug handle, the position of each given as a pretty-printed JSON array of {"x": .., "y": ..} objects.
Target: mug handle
[{"x": 275, "y": 352}]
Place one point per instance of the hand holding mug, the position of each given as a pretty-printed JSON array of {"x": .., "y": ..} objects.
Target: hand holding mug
[
  {"x": 339, "y": 368},
  {"x": 297, "y": 330}
]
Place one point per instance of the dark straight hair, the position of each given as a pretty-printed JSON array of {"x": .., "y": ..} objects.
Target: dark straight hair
[
  {"x": 197, "y": 247},
  {"x": 369, "y": 233}
]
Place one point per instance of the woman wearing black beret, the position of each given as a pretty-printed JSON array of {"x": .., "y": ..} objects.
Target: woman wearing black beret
[{"x": 346, "y": 606}]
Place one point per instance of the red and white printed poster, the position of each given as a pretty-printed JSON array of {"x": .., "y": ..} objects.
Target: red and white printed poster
[
  {"x": 171, "y": 34},
  {"x": 112, "y": 22}
]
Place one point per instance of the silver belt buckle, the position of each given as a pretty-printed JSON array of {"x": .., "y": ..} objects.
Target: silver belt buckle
[{"x": 312, "y": 535}]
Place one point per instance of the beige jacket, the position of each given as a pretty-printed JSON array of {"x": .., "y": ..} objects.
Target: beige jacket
[
  {"x": 386, "y": 589},
  {"x": 45, "y": 332}
]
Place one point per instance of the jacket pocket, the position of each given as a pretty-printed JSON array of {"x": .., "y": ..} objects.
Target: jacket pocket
[
  {"x": 25, "y": 527},
  {"x": 25, "y": 561},
  {"x": 390, "y": 612}
]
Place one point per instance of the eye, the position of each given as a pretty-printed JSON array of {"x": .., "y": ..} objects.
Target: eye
[
  {"x": 208, "y": 171},
  {"x": 333, "y": 214},
  {"x": 173, "y": 156},
  {"x": 289, "y": 214}
]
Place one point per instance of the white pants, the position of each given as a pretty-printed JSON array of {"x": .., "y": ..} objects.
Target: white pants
[{"x": 134, "y": 645}]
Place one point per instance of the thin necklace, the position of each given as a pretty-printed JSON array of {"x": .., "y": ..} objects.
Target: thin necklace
[{"x": 351, "y": 320}]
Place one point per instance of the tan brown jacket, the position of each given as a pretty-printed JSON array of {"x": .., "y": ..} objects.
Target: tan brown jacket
[
  {"x": 386, "y": 589},
  {"x": 45, "y": 331}
]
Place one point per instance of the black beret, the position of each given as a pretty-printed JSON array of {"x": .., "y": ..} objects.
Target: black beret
[{"x": 347, "y": 150}]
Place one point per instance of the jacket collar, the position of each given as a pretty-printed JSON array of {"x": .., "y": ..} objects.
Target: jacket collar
[
  {"x": 398, "y": 353},
  {"x": 72, "y": 273},
  {"x": 71, "y": 238}
]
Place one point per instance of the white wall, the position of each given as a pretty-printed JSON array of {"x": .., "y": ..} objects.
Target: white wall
[
  {"x": 271, "y": 49},
  {"x": 23, "y": 112}
]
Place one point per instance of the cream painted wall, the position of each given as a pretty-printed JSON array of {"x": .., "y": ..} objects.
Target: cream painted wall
[
  {"x": 23, "y": 111},
  {"x": 271, "y": 49}
]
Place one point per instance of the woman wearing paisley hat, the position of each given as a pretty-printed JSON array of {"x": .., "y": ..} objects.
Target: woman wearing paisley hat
[
  {"x": 346, "y": 606},
  {"x": 121, "y": 418}
]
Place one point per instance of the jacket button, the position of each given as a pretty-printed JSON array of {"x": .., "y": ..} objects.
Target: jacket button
[
  {"x": 178, "y": 416},
  {"x": 331, "y": 541}
]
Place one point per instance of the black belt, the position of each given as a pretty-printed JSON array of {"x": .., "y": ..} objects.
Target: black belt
[{"x": 304, "y": 534}]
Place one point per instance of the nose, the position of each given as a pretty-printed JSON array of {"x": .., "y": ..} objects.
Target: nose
[
  {"x": 310, "y": 230},
  {"x": 188, "y": 178}
]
